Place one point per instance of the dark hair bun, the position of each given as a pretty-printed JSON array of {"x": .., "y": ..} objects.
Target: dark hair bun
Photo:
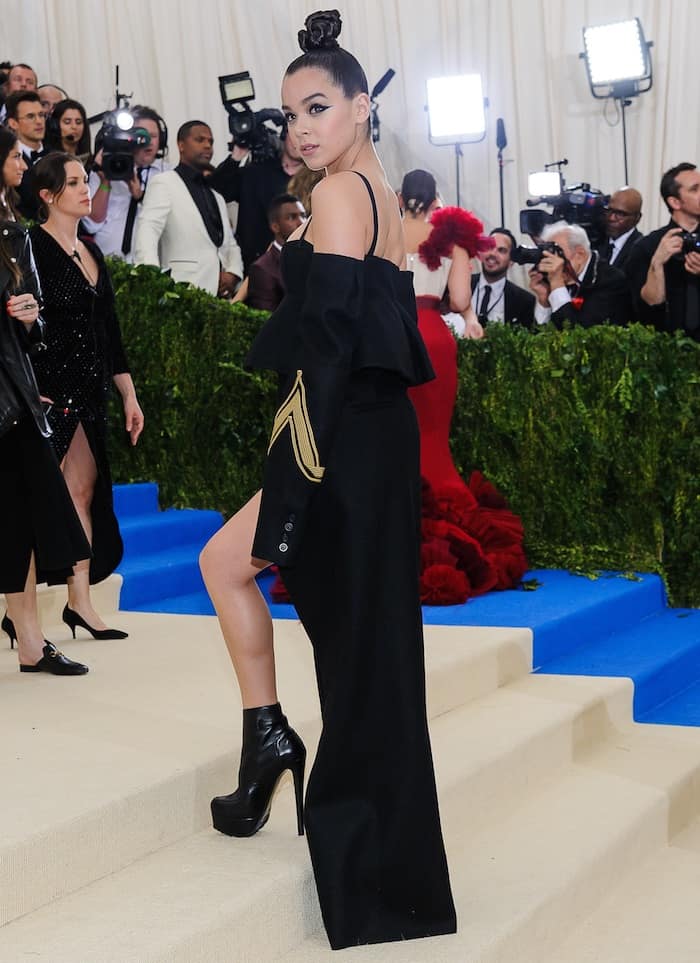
[{"x": 322, "y": 31}]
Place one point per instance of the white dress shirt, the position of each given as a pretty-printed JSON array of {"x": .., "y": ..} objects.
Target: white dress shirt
[
  {"x": 618, "y": 243},
  {"x": 496, "y": 309}
]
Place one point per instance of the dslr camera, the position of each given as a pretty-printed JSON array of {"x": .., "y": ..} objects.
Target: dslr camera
[
  {"x": 249, "y": 129},
  {"x": 119, "y": 138},
  {"x": 691, "y": 243},
  {"x": 533, "y": 255}
]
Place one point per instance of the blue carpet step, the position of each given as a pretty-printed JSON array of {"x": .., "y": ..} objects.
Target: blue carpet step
[
  {"x": 161, "y": 548},
  {"x": 682, "y": 709},
  {"x": 565, "y": 611},
  {"x": 661, "y": 654},
  {"x": 139, "y": 498},
  {"x": 159, "y": 575},
  {"x": 145, "y": 534}
]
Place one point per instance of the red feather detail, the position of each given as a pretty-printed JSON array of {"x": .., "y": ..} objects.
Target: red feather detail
[{"x": 452, "y": 225}]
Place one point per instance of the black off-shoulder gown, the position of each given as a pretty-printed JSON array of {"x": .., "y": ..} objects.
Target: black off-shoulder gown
[
  {"x": 340, "y": 514},
  {"x": 83, "y": 351}
]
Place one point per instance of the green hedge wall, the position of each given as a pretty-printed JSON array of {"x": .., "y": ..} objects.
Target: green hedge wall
[
  {"x": 591, "y": 433},
  {"x": 206, "y": 419}
]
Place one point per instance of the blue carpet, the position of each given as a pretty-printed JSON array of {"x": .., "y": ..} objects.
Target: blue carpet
[{"x": 609, "y": 626}]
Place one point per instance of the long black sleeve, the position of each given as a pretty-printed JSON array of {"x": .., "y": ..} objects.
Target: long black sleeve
[{"x": 311, "y": 402}]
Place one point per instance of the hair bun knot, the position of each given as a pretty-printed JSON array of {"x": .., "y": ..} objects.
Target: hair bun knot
[{"x": 322, "y": 31}]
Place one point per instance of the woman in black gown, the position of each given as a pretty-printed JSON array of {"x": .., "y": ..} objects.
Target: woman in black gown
[
  {"x": 38, "y": 522},
  {"x": 84, "y": 356},
  {"x": 339, "y": 513}
]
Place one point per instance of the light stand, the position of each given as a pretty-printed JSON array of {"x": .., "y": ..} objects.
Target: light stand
[
  {"x": 121, "y": 101},
  {"x": 501, "y": 142},
  {"x": 618, "y": 64},
  {"x": 624, "y": 102},
  {"x": 456, "y": 114}
]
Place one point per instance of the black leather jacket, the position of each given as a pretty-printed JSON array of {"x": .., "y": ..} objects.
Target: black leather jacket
[{"x": 16, "y": 343}]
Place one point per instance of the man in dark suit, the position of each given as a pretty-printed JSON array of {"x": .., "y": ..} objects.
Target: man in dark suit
[
  {"x": 579, "y": 287},
  {"x": 26, "y": 118},
  {"x": 265, "y": 285},
  {"x": 622, "y": 215},
  {"x": 494, "y": 297}
]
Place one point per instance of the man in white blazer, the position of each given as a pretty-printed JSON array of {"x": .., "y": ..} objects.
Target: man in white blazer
[{"x": 184, "y": 225}]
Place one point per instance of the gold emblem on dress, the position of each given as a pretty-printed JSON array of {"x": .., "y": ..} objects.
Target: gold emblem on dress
[{"x": 294, "y": 412}]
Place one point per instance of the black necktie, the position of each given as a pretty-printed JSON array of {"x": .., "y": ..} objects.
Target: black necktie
[
  {"x": 35, "y": 155},
  {"x": 610, "y": 252},
  {"x": 131, "y": 218},
  {"x": 484, "y": 308}
]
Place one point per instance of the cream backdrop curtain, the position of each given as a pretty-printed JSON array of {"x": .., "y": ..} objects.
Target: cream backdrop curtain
[{"x": 170, "y": 53}]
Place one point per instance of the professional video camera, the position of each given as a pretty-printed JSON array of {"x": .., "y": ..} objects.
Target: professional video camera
[
  {"x": 119, "y": 138},
  {"x": 249, "y": 129},
  {"x": 579, "y": 204}
]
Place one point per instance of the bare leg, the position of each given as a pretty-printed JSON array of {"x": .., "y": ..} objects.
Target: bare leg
[
  {"x": 80, "y": 473},
  {"x": 22, "y": 609},
  {"x": 229, "y": 573}
]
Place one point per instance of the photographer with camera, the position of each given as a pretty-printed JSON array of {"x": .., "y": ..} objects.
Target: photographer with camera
[
  {"x": 253, "y": 181},
  {"x": 664, "y": 268},
  {"x": 117, "y": 201},
  {"x": 571, "y": 282}
]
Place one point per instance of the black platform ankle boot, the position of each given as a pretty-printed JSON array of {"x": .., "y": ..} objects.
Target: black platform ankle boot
[{"x": 269, "y": 748}]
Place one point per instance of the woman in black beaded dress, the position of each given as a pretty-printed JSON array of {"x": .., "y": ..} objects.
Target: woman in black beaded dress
[
  {"x": 84, "y": 355},
  {"x": 339, "y": 513},
  {"x": 38, "y": 523}
]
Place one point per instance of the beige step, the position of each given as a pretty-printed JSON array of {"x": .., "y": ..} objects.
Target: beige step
[
  {"x": 104, "y": 769},
  {"x": 649, "y": 917},
  {"x": 521, "y": 881},
  {"x": 532, "y": 865}
]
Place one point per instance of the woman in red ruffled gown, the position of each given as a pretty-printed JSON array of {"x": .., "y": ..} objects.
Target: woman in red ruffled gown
[{"x": 471, "y": 541}]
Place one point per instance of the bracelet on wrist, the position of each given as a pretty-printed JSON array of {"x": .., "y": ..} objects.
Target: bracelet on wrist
[{"x": 105, "y": 186}]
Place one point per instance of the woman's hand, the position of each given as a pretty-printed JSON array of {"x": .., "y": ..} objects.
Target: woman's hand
[
  {"x": 23, "y": 307},
  {"x": 472, "y": 327},
  {"x": 133, "y": 417}
]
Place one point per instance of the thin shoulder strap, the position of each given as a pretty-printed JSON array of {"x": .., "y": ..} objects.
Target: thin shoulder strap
[
  {"x": 375, "y": 217},
  {"x": 306, "y": 227}
]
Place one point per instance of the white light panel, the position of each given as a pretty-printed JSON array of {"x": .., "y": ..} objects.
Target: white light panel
[
  {"x": 615, "y": 51},
  {"x": 456, "y": 109}
]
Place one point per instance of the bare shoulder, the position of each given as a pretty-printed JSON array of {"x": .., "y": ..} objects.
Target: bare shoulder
[
  {"x": 342, "y": 218},
  {"x": 340, "y": 188}
]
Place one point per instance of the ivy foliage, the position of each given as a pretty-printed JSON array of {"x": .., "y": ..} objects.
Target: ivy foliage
[
  {"x": 590, "y": 433},
  {"x": 207, "y": 419}
]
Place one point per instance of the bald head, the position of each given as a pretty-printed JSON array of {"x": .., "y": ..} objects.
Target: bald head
[
  {"x": 623, "y": 212},
  {"x": 50, "y": 96}
]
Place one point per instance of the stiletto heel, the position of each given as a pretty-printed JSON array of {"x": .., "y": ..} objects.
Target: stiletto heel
[
  {"x": 298, "y": 776},
  {"x": 269, "y": 749},
  {"x": 72, "y": 620},
  {"x": 8, "y": 626}
]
